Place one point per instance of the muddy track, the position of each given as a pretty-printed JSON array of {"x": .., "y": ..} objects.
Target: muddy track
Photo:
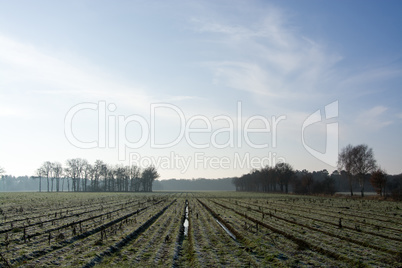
[
  {"x": 179, "y": 242},
  {"x": 240, "y": 240}
]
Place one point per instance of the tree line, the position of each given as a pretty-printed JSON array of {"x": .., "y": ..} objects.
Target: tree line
[
  {"x": 80, "y": 176},
  {"x": 284, "y": 179},
  {"x": 356, "y": 167}
]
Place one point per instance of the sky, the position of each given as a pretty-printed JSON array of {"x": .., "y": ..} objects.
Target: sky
[{"x": 205, "y": 89}]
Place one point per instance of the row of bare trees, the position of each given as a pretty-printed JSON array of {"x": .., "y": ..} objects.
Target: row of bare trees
[{"x": 84, "y": 177}]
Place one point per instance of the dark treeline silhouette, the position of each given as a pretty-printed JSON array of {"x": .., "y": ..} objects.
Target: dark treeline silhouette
[
  {"x": 283, "y": 179},
  {"x": 356, "y": 165},
  {"x": 80, "y": 176},
  {"x": 267, "y": 179}
]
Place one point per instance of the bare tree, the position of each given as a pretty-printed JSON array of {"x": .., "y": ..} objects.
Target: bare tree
[
  {"x": 363, "y": 163},
  {"x": 38, "y": 175},
  {"x": 87, "y": 173},
  {"x": 108, "y": 175},
  {"x": 272, "y": 179},
  {"x": 378, "y": 180},
  {"x": 307, "y": 181},
  {"x": 135, "y": 178},
  {"x": 266, "y": 173},
  {"x": 72, "y": 172},
  {"x": 148, "y": 176},
  {"x": 98, "y": 171},
  {"x": 120, "y": 176},
  {"x": 57, "y": 172},
  {"x": 284, "y": 173},
  {"x": 126, "y": 178},
  {"x": 357, "y": 161},
  {"x": 47, "y": 171},
  {"x": 81, "y": 166},
  {"x": 345, "y": 161},
  {"x": 63, "y": 179}
]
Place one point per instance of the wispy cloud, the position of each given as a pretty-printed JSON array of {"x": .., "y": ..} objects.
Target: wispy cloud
[
  {"x": 61, "y": 73},
  {"x": 271, "y": 27},
  {"x": 244, "y": 76},
  {"x": 276, "y": 60},
  {"x": 374, "y": 118},
  {"x": 273, "y": 59},
  {"x": 370, "y": 75},
  {"x": 54, "y": 75}
]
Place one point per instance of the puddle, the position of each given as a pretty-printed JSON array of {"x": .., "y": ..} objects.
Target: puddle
[
  {"x": 185, "y": 224},
  {"x": 226, "y": 230}
]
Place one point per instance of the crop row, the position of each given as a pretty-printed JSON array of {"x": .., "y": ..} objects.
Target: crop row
[
  {"x": 41, "y": 220},
  {"x": 77, "y": 224},
  {"x": 351, "y": 208},
  {"x": 203, "y": 230},
  {"x": 154, "y": 247},
  {"x": 277, "y": 247},
  {"x": 82, "y": 247},
  {"x": 47, "y": 208},
  {"x": 339, "y": 220},
  {"x": 319, "y": 238}
]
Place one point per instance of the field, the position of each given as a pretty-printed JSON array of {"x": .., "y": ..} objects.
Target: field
[{"x": 197, "y": 230}]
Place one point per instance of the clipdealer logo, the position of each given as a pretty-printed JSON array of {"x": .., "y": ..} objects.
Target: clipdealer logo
[
  {"x": 330, "y": 156},
  {"x": 112, "y": 133},
  {"x": 112, "y": 129}
]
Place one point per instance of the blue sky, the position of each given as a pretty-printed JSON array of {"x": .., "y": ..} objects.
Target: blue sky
[{"x": 208, "y": 60}]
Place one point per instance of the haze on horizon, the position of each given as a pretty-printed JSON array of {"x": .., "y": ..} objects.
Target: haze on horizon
[{"x": 200, "y": 89}]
